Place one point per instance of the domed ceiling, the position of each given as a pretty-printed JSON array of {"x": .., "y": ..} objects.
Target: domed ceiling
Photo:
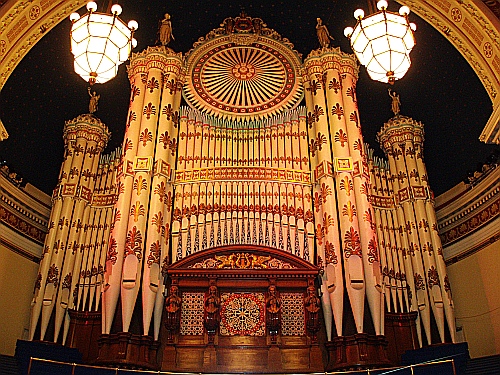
[{"x": 440, "y": 90}]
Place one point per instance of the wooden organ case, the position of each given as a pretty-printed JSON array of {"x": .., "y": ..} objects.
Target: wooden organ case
[{"x": 242, "y": 307}]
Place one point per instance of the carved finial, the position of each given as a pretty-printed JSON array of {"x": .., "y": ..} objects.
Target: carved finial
[{"x": 395, "y": 102}]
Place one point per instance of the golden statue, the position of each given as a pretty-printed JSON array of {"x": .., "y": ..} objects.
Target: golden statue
[
  {"x": 395, "y": 102},
  {"x": 94, "y": 99},
  {"x": 323, "y": 34},
  {"x": 165, "y": 31}
]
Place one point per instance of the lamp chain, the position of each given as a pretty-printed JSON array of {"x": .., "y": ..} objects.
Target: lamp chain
[
  {"x": 108, "y": 8},
  {"x": 372, "y": 6}
]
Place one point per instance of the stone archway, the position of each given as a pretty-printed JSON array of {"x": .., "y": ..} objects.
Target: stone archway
[{"x": 471, "y": 27}]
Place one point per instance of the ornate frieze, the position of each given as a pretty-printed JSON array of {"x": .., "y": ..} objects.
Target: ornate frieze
[
  {"x": 242, "y": 261},
  {"x": 18, "y": 209},
  {"x": 247, "y": 173},
  {"x": 474, "y": 217},
  {"x": 12, "y": 220}
]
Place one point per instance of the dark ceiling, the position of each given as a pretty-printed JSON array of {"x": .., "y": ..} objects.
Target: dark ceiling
[{"x": 440, "y": 90}]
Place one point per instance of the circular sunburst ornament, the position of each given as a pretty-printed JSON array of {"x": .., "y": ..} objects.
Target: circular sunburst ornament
[
  {"x": 242, "y": 314},
  {"x": 240, "y": 71}
]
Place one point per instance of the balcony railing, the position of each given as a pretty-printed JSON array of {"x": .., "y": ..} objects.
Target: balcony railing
[{"x": 38, "y": 366}]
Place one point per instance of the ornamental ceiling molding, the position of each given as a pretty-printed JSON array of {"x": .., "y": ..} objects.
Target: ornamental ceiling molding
[
  {"x": 23, "y": 24},
  {"x": 25, "y": 215},
  {"x": 466, "y": 24},
  {"x": 30, "y": 20},
  {"x": 22, "y": 204},
  {"x": 3, "y": 132},
  {"x": 468, "y": 218},
  {"x": 468, "y": 203},
  {"x": 244, "y": 71},
  {"x": 443, "y": 21},
  {"x": 472, "y": 222}
]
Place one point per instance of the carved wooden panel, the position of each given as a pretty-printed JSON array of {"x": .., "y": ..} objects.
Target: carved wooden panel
[
  {"x": 242, "y": 314},
  {"x": 292, "y": 316},
  {"x": 192, "y": 314}
]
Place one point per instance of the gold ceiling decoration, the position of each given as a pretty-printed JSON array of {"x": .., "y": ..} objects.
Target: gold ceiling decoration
[{"x": 243, "y": 70}]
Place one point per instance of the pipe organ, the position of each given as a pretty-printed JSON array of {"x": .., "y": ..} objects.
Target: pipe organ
[
  {"x": 71, "y": 268},
  {"x": 420, "y": 253},
  {"x": 245, "y": 222},
  {"x": 245, "y": 184}
]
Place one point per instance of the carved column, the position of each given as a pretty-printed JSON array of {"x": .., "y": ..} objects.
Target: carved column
[
  {"x": 382, "y": 232},
  {"x": 405, "y": 237},
  {"x": 365, "y": 215},
  {"x": 135, "y": 250},
  {"x": 336, "y": 66},
  {"x": 345, "y": 212},
  {"x": 436, "y": 245}
]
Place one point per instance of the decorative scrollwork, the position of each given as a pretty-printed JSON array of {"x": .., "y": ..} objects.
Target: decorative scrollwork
[{"x": 243, "y": 261}]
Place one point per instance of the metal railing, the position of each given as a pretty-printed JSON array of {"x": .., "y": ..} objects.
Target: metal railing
[{"x": 46, "y": 366}]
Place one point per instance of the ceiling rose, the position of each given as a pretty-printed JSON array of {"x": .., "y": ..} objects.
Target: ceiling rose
[{"x": 243, "y": 70}]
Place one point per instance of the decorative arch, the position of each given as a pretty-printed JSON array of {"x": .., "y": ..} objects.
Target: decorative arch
[
  {"x": 243, "y": 258},
  {"x": 472, "y": 27}
]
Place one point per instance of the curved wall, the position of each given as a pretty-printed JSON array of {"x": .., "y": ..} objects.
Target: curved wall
[
  {"x": 469, "y": 225},
  {"x": 24, "y": 213}
]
